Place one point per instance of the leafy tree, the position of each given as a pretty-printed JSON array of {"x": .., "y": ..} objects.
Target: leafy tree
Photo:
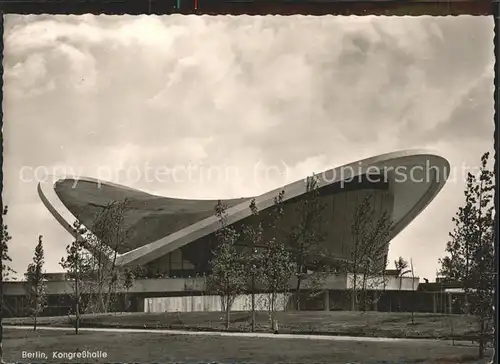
[
  {"x": 109, "y": 233},
  {"x": 101, "y": 244},
  {"x": 470, "y": 251},
  {"x": 35, "y": 284},
  {"x": 228, "y": 277},
  {"x": 277, "y": 262},
  {"x": 77, "y": 265},
  {"x": 5, "y": 269},
  {"x": 366, "y": 263},
  {"x": 253, "y": 240},
  {"x": 306, "y": 238}
]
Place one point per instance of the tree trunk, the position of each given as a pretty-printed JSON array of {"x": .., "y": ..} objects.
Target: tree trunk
[
  {"x": 253, "y": 303},
  {"x": 108, "y": 297},
  {"x": 274, "y": 321},
  {"x": 482, "y": 337},
  {"x": 354, "y": 293},
  {"x": 228, "y": 309},
  {"x": 77, "y": 306},
  {"x": 34, "y": 324},
  {"x": 1, "y": 339},
  {"x": 399, "y": 293},
  {"x": 363, "y": 293},
  {"x": 297, "y": 292}
]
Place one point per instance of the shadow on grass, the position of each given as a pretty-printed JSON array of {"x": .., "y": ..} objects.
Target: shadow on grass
[{"x": 452, "y": 360}]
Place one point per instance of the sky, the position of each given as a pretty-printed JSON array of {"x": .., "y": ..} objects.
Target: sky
[{"x": 265, "y": 100}]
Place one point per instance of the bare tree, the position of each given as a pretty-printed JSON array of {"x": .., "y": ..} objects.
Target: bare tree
[
  {"x": 35, "y": 284},
  {"x": 228, "y": 277},
  {"x": 367, "y": 264}
]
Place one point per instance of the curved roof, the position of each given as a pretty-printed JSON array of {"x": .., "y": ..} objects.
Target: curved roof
[{"x": 161, "y": 225}]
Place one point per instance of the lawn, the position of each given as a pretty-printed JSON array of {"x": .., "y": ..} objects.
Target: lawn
[
  {"x": 163, "y": 348},
  {"x": 378, "y": 324}
]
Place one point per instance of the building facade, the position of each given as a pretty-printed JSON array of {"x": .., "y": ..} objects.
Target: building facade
[{"x": 174, "y": 238}]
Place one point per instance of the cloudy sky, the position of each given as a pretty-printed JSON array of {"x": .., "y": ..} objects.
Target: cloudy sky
[{"x": 271, "y": 99}]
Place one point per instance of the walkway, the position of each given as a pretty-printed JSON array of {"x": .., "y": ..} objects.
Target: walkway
[{"x": 235, "y": 334}]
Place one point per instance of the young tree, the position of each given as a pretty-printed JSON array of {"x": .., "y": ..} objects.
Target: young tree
[
  {"x": 5, "y": 269},
  {"x": 228, "y": 277},
  {"x": 253, "y": 240},
  {"x": 367, "y": 264},
  {"x": 104, "y": 240},
  {"x": 402, "y": 270},
  {"x": 470, "y": 258},
  {"x": 35, "y": 284},
  {"x": 79, "y": 269},
  {"x": 277, "y": 263},
  {"x": 307, "y": 236}
]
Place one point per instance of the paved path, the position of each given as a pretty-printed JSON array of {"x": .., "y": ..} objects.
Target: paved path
[{"x": 237, "y": 334}]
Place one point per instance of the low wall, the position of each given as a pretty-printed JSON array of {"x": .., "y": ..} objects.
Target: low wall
[
  {"x": 210, "y": 303},
  {"x": 177, "y": 285}
]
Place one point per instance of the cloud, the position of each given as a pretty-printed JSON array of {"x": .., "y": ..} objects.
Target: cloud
[{"x": 295, "y": 94}]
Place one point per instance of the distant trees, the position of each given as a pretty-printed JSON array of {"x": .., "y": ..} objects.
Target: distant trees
[
  {"x": 228, "y": 277},
  {"x": 470, "y": 257},
  {"x": 366, "y": 263},
  {"x": 307, "y": 236},
  {"x": 35, "y": 284},
  {"x": 401, "y": 266}
]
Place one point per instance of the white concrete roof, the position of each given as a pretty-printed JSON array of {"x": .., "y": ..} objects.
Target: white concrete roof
[{"x": 411, "y": 196}]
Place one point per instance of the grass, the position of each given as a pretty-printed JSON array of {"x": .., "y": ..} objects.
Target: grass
[
  {"x": 376, "y": 324},
  {"x": 149, "y": 348}
]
